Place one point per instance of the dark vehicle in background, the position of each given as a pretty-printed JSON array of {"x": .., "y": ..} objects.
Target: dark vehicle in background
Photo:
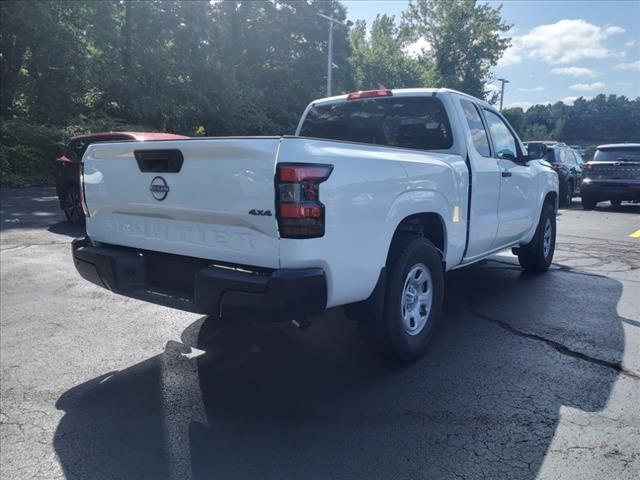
[
  {"x": 613, "y": 174},
  {"x": 68, "y": 166},
  {"x": 568, "y": 164}
]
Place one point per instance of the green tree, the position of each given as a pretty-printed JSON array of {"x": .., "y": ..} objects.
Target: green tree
[
  {"x": 380, "y": 58},
  {"x": 466, "y": 40}
]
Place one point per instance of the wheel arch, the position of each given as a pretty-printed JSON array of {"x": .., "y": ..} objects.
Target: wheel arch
[{"x": 429, "y": 225}]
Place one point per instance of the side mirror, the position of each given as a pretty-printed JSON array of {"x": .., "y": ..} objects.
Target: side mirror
[{"x": 536, "y": 150}]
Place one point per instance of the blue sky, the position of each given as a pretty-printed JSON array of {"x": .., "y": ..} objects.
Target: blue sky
[{"x": 561, "y": 49}]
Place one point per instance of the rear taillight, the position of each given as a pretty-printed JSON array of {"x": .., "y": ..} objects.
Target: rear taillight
[
  {"x": 83, "y": 198},
  {"x": 299, "y": 210}
]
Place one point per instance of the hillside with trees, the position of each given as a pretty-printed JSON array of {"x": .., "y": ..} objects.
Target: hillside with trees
[
  {"x": 602, "y": 119},
  {"x": 235, "y": 68}
]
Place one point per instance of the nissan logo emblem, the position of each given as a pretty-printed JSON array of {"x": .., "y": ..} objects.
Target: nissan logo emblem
[{"x": 159, "y": 188}]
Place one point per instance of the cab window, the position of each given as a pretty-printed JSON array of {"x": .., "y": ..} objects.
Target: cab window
[
  {"x": 479, "y": 135},
  {"x": 503, "y": 140}
]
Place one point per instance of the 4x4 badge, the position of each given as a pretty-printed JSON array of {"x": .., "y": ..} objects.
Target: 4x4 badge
[{"x": 260, "y": 213}]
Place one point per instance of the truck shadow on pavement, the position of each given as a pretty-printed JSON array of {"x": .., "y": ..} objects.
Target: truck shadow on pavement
[{"x": 267, "y": 401}]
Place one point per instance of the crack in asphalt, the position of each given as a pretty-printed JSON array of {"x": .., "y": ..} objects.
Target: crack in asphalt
[{"x": 559, "y": 347}]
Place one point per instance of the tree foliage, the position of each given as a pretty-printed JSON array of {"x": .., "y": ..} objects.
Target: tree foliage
[
  {"x": 466, "y": 40},
  {"x": 602, "y": 119},
  {"x": 222, "y": 67},
  {"x": 236, "y": 68},
  {"x": 379, "y": 57}
]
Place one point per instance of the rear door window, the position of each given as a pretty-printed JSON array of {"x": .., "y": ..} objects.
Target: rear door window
[
  {"x": 70, "y": 151},
  {"x": 618, "y": 154},
  {"x": 479, "y": 135},
  {"x": 551, "y": 155},
  {"x": 409, "y": 122},
  {"x": 81, "y": 146}
]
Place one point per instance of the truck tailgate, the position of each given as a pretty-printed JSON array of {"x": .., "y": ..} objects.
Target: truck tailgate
[{"x": 138, "y": 197}]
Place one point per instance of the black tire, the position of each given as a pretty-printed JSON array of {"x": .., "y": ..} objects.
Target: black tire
[
  {"x": 386, "y": 332},
  {"x": 567, "y": 195},
  {"x": 588, "y": 203},
  {"x": 534, "y": 256},
  {"x": 616, "y": 203},
  {"x": 71, "y": 206}
]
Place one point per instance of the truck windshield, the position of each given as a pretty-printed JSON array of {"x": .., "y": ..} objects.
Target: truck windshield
[
  {"x": 618, "y": 154},
  {"x": 409, "y": 122}
]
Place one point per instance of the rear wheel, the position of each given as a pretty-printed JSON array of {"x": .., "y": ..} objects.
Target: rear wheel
[
  {"x": 588, "y": 203},
  {"x": 71, "y": 206},
  {"x": 567, "y": 195},
  {"x": 616, "y": 203},
  {"x": 413, "y": 302},
  {"x": 536, "y": 256}
]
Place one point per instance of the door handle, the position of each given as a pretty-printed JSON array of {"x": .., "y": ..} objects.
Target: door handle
[{"x": 506, "y": 173}]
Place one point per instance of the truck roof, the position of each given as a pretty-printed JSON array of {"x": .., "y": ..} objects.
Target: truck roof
[{"x": 405, "y": 92}]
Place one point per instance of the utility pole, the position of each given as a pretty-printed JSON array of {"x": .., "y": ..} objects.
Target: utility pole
[
  {"x": 330, "y": 59},
  {"x": 330, "y": 48},
  {"x": 502, "y": 81}
]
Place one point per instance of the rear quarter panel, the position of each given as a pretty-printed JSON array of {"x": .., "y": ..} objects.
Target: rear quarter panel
[{"x": 370, "y": 191}]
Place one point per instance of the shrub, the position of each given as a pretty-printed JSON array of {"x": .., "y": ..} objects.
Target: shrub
[{"x": 28, "y": 150}]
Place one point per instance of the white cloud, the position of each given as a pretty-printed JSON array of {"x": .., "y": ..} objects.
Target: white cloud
[
  {"x": 625, "y": 84},
  {"x": 522, "y": 105},
  {"x": 574, "y": 71},
  {"x": 572, "y": 100},
  {"x": 629, "y": 44},
  {"x": 491, "y": 87},
  {"x": 629, "y": 66},
  {"x": 511, "y": 55},
  {"x": 562, "y": 42},
  {"x": 532, "y": 89},
  {"x": 418, "y": 48},
  {"x": 569, "y": 100},
  {"x": 613, "y": 30},
  {"x": 587, "y": 87}
]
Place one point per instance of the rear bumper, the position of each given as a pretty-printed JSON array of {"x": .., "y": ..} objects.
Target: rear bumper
[
  {"x": 199, "y": 286},
  {"x": 611, "y": 190}
]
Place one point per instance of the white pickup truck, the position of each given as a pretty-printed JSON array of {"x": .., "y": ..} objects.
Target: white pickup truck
[{"x": 376, "y": 196}]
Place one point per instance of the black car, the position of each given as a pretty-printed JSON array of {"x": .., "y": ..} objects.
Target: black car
[
  {"x": 568, "y": 163},
  {"x": 613, "y": 174}
]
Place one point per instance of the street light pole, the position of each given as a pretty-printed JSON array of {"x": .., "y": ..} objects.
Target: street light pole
[
  {"x": 330, "y": 47},
  {"x": 330, "y": 59},
  {"x": 502, "y": 81}
]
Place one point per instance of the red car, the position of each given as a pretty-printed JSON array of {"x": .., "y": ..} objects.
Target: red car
[{"x": 68, "y": 170}]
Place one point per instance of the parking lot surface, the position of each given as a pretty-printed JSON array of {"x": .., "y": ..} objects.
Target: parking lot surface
[{"x": 527, "y": 376}]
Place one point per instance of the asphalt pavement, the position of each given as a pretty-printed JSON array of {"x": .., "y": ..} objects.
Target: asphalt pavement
[{"x": 528, "y": 376}]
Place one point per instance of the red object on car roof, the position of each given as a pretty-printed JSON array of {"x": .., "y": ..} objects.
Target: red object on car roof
[{"x": 134, "y": 135}]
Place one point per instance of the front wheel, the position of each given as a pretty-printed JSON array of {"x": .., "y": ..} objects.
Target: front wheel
[
  {"x": 536, "y": 256},
  {"x": 413, "y": 302},
  {"x": 616, "y": 203}
]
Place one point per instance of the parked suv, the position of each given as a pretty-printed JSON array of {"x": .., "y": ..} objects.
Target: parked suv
[
  {"x": 613, "y": 174},
  {"x": 68, "y": 167},
  {"x": 568, "y": 164}
]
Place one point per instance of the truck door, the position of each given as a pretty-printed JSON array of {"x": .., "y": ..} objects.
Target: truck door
[
  {"x": 485, "y": 188},
  {"x": 516, "y": 204}
]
